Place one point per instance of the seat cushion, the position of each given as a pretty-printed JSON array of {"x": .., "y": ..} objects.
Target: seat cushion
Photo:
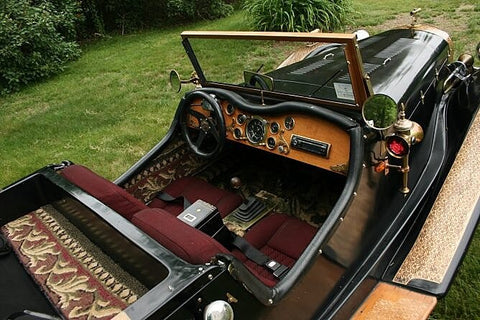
[
  {"x": 188, "y": 243},
  {"x": 106, "y": 191},
  {"x": 194, "y": 189},
  {"x": 282, "y": 238}
]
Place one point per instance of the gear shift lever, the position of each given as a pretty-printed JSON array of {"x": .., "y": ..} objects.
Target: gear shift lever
[{"x": 236, "y": 184}]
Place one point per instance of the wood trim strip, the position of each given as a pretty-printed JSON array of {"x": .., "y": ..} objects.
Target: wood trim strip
[
  {"x": 388, "y": 301},
  {"x": 278, "y": 36}
]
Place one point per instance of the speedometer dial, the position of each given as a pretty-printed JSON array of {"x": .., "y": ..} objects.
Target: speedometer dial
[{"x": 255, "y": 130}]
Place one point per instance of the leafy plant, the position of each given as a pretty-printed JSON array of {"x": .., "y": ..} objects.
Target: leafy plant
[
  {"x": 36, "y": 39},
  {"x": 298, "y": 15},
  {"x": 184, "y": 10}
]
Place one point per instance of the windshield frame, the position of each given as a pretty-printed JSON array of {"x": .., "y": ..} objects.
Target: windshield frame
[{"x": 359, "y": 80}]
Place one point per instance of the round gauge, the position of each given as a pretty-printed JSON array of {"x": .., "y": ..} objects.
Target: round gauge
[
  {"x": 255, "y": 130},
  {"x": 230, "y": 109},
  {"x": 237, "y": 133},
  {"x": 274, "y": 127},
  {"x": 241, "y": 118},
  {"x": 271, "y": 143},
  {"x": 289, "y": 123}
]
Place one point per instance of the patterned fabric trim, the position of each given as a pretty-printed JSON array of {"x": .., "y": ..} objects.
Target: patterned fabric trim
[
  {"x": 175, "y": 162},
  {"x": 81, "y": 283}
]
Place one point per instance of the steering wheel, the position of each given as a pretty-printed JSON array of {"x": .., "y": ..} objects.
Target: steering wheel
[{"x": 203, "y": 129}]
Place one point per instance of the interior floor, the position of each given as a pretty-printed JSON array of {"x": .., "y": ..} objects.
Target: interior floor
[{"x": 299, "y": 189}]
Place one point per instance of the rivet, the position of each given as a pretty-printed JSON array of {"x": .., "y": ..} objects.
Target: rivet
[
  {"x": 270, "y": 301},
  {"x": 355, "y": 194},
  {"x": 320, "y": 251},
  {"x": 341, "y": 219},
  {"x": 210, "y": 277},
  {"x": 199, "y": 300},
  {"x": 170, "y": 288}
]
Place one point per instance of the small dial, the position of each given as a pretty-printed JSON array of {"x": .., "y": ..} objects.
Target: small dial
[
  {"x": 289, "y": 123},
  {"x": 230, "y": 109},
  {"x": 255, "y": 130},
  {"x": 241, "y": 118},
  {"x": 271, "y": 143},
  {"x": 274, "y": 127},
  {"x": 237, "y": 133}
]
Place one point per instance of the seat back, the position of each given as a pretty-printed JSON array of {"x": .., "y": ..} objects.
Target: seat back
[{"x": 106, "y": 191}]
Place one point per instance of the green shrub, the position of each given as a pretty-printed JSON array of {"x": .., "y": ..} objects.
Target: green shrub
[
  {"x": 185, "y": 10},
  {"x": 127, "y": 15},
  {"x": 36, "y": 39},
  {"x": 298, "y": 15}
]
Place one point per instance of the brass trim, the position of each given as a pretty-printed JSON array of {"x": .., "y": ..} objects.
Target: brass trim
[
  {"x": 440, "y": 236},
  {"x": 340, "y": 168}
]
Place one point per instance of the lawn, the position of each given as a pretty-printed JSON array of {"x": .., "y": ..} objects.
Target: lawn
[{"x": 114, "y": 104}]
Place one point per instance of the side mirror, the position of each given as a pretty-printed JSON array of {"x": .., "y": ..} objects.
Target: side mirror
[
  {"x": 175, "y": 81},
  {"x": 379, "y": 112}
]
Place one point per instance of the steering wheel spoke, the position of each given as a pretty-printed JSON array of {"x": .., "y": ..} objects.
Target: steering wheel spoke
[
  {"x": 216, "y": 134},
  {"x": 201, "y": 137},
  {"x": 196, "y": 114}
]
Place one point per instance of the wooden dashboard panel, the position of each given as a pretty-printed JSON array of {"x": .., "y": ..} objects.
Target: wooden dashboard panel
[{"x": 331, "y": 140}]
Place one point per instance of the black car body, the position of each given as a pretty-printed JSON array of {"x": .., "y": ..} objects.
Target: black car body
[{"x": 381, "y": 206}]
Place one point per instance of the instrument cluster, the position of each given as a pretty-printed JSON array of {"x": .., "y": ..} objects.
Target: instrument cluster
[{"x": 258, "y": 130}]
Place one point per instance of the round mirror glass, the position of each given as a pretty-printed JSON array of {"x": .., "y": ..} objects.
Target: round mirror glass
[
  {"x": 380, "y": 111},
  {"x": 175, "y": 81}
]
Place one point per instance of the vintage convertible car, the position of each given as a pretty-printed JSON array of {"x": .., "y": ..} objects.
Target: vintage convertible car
[{"x": 342, "y": 182}]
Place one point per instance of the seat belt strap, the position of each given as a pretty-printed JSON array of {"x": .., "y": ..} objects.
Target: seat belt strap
[
  {"x": 278, "y": 270},
  {"x": 169, "y": 198}
]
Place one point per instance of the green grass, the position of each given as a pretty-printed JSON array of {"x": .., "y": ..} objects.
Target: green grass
[
  {"x": 114, "y": 104},
  {"x": 105, "y": 111}
]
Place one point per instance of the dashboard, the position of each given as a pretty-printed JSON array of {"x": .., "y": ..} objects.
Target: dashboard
[{"x": 306, "y": 138}]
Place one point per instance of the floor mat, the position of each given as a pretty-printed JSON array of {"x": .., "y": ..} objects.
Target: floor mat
[{"x": 77, "y": 277}]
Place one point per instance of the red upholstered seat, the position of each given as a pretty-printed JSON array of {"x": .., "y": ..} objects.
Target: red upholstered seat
[
  {"x": 107, "y": 192},
  {"x": 193, "y": 189},
  {"x": 282, "y": 238},
  {"x": 126, "y": 204},
  {"x": 188, "y": 243}
]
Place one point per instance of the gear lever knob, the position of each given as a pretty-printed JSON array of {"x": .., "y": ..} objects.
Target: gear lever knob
[{"x": 236, "y": 183}]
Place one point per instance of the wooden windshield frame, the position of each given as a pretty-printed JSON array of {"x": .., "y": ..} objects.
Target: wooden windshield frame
[{"x": 358, "y": 77}]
